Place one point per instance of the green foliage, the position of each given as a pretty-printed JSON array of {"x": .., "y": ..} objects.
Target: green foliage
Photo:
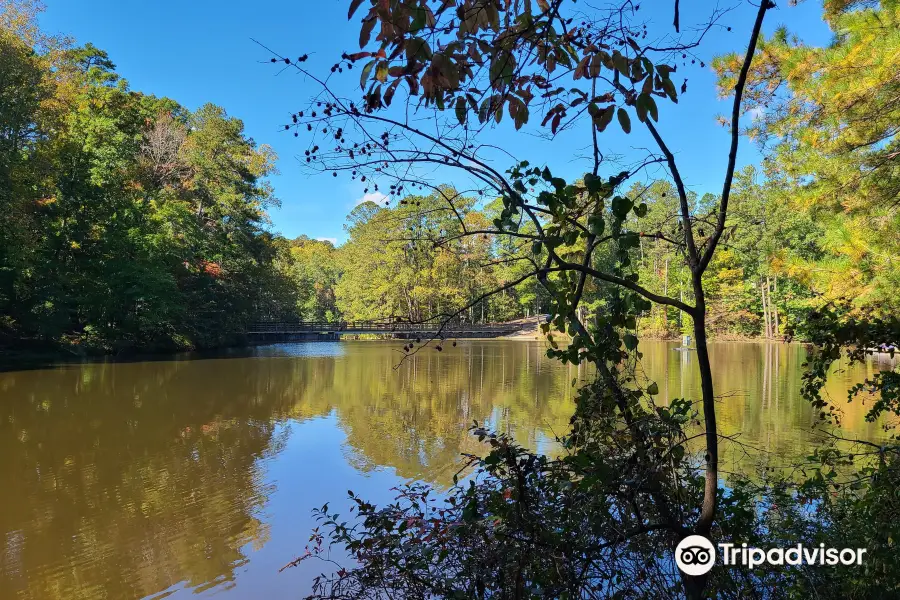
[
  {"x": 600, "y": 521},
  {"x": 414, "y": 262},
  {"x": 312, "y": 270},
  {"x": 523, "y": 525},
  {"x": 839, "y": 331},
  {"x": 827, "y": 120},
  {"x": 128, "y": 222}
]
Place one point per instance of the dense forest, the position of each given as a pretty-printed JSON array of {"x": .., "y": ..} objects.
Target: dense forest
[
  {"x": 130, "y": 222},
  {"x": 802, "y": 245},
  {"x": 127, "y": 220}
]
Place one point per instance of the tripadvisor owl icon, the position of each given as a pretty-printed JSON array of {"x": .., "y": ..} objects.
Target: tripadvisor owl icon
[{"x": 695, "y": 555}]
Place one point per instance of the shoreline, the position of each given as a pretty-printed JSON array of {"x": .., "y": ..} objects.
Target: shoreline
[{"x": 12, "y": 359}]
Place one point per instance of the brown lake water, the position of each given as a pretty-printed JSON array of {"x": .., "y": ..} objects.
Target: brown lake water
[{"x": 190, "y": 476}]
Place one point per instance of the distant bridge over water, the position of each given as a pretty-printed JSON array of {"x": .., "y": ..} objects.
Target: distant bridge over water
[{"x": 311, "y": 330}]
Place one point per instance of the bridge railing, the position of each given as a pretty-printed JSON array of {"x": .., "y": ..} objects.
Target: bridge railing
[{"x": 376, "y": 327}]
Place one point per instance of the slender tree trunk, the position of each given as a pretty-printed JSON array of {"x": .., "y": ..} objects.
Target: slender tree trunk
[
  {"x": 694, "y": 586},
  {"x": 765, "y": 310},
  {"x": 708, "y": 509},
  {"x": 777, "y": 326},
  {"x": 665, "y": 308}
]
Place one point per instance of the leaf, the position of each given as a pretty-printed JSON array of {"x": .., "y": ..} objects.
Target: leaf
[
  {"x": 418, "y": 49},
  {"x": 389, "y": 92},
  {"x": 381, "y": 71},
  {"x": 630, "y": 341},
  {"x": 518, "y": 112},
  {"x": 353, "y": 6},
  {"x": 653, "y": 389},
  {"x": 621, "y": 206},
  {"x": 624, "y": 120},
  {"x": 620, "y": 62},
  {"x": 418, "y": 21},
  {"x": 365, "y": 31},
  {"x": 461, "y": 110},
  {"x": 594, "y": 184},
  {"x": 502, "y": 69},
  {"x": 651, "y": 108},
  {"x": 364, "y": 76},
  {"x": 641, "y": 107},
  {"x": 596, "y": 63},
  {"x": 664, "y": 70},
  {"x": 605, "y": 117},
  {"x": 669, "y": 87}
]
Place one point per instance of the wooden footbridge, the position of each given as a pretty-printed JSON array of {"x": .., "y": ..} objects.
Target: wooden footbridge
[{"x": 312, "y": 330}]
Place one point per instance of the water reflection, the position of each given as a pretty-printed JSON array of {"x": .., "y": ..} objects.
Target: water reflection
[{"x": 138, "y": 479}]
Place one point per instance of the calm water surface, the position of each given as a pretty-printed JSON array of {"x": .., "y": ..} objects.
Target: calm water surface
[{"x": 182, "y": 477}]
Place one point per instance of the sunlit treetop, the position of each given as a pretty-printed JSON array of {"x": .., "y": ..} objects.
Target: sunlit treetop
[
  {"x": 831, "y": 113},
  {"x": 829, "y": 122}
]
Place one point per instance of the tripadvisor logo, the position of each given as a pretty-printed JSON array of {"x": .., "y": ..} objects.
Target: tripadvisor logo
[{"x": 696, "y": 555}]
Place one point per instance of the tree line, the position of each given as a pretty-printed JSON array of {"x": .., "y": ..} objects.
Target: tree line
[
  {"x": 130, "y": 222},
  {"x": 803, "y": 245},
  {"x": 127, "y": 221},
  {"x": 779, "y": 260}
]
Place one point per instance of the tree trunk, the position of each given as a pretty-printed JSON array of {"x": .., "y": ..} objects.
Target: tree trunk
[
  {"x": 708, "y": 509},
  {"x": 776, "y": 324},
  {"x": 694, "y": 586},
  {"x": 765, "y": 310},
  {"x": 665, "y": 308}
]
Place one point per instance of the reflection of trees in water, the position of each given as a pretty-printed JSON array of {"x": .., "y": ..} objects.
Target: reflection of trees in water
[
  {"x": 416, "y": 418},
  {"x": 122, "y": 480},
  {"x": 759, "y": 386}
]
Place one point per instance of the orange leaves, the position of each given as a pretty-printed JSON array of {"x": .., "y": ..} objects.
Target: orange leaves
[
  {"x": 518, "y": 112},
  {"x": 213, "y": 269}
]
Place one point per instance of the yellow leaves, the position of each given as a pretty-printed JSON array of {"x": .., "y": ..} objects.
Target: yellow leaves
[
  {"x": 848, "y": 238},
  {"x": 778, "y": 262},
  {"x": 848, "y": 285}
]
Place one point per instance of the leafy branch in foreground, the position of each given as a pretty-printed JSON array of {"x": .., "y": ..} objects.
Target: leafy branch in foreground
[{"x": 601, "y": 521}]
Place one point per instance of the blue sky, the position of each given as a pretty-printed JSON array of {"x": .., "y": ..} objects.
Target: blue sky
[{"x": 198, "y": 51}]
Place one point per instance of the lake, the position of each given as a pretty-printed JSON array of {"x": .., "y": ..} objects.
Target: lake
[{"x": 192, "y": 475}]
